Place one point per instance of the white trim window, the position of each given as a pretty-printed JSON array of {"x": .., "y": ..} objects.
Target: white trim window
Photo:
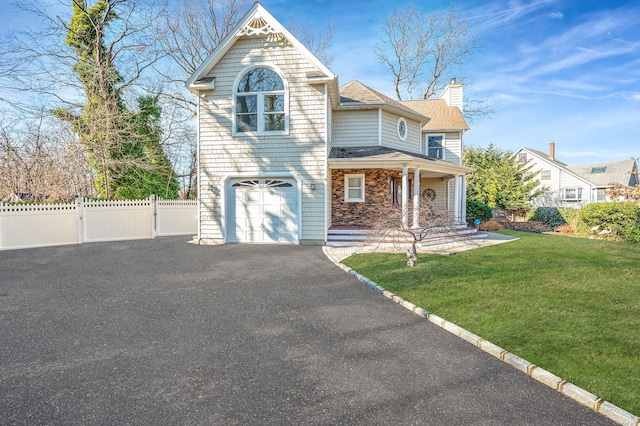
[
  {"x": 571, "y": 194},
  {"x": 402, "y": 129},
  {"x": 435, "y": 146},
  {"x": 260, "y": 103},
  {"x": 601, "y": 195},
  {"x": 354, "y": 188},
  {"x": 545, "y": 175}
]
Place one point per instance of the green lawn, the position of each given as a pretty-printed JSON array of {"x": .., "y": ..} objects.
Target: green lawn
[{"x": 569, "y": 305}]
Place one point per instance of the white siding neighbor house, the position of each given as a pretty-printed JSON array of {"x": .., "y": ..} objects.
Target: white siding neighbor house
[
  {"x": 575, "y": 186},
  {"x": 286, "y": 154}
]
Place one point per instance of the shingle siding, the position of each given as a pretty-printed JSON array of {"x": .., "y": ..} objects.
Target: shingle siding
[
  {"x": 355, "y": 128},
  {"x": 390, "y": 136},
  {"x": 301, "y": 152}
]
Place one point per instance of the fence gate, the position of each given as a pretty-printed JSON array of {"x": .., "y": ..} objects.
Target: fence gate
[{"x": 38, "y": 225}]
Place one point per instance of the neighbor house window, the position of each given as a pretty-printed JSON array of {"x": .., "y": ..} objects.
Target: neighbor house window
[
  {"x": 571, "y": 194},
  {"x": 545, "y": 175},
  {"x": 260, "y": 102},
  {"x": 522, "y": 157},
  {"x": 435, "y": 146},
  {"x": 601, "y": 194},
  {"x": 354, "y": 188}
]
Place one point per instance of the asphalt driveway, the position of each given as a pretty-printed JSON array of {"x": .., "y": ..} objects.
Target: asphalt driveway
[{"x": 160, "y": 331}]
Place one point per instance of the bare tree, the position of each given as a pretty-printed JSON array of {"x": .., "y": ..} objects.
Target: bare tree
[
  {"x": 435, "y": 223},
  {"x": 41, "y": 160},
  {"x": 423, "y": 51}
]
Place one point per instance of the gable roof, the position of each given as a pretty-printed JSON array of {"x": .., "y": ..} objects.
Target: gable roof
[
  {"x": 355, "y": 95},
  {"x": 443, "y": 117},
  {"x": 257, "y": 21},
  {"x": 613, "y": 171},
  {"x": 553, "y": 162}
]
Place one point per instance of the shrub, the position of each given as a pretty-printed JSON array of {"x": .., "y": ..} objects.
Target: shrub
[
  {"x": 548, "y": 215},
  {"x": 621, "y": 217},
  {"x": 490, "y": 226},
  {"x": 478, "y": 210}
]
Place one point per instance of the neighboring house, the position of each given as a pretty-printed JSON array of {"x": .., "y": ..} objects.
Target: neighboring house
[
  {"x": 575, "y": 186},
  {"x": 286, "y": 155}
]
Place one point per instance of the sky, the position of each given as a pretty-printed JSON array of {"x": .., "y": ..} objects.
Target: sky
[{"x": 566, "y": 71}]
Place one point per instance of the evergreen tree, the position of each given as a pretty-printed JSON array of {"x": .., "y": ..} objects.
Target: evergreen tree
[
  {"x": 499, "y": 180},
  {"x": 124, "y": 146}
]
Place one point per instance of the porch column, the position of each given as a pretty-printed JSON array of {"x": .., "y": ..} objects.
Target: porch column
[
  {"x": 416, "y": 198},
  {"x": 456, "y": 198},
  {"x": 405, "y": 196},
  {"x": 463, "y": 208}
]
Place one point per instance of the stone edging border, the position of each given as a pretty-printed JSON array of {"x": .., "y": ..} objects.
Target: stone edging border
[{"x": 574, "y": 392}]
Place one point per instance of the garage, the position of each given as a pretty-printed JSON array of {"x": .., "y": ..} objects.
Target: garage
[{"x": 262, "y": 210}]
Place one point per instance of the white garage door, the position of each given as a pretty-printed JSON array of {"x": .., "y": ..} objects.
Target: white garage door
[{"x": 262, "y": 211}]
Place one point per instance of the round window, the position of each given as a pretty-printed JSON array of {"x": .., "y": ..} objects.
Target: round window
[
  {"x": 402, "y": 128},
  {"x": 429, "y": 194}
]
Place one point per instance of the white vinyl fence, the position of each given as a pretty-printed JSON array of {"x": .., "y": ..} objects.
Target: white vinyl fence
[{"x": 37, "y": 225}]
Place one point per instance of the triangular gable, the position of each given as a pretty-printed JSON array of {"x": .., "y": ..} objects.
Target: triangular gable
[
  {"x": 257, "y": 21},
  {"x": 553, "y": 163}
]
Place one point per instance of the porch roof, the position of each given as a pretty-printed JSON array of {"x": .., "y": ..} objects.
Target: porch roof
[{"x": 369, "y": 157}]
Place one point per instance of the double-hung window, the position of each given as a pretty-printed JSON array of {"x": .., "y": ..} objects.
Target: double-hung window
[
  {"x": 260, "y": 102},
  {"x": 435, "y": 146},
  {"x": 354, "y": 188}
]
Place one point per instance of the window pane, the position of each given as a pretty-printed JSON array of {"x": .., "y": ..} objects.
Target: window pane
[
  {"x": 247, "y": 104},
  {"x": 355, "y": 182},
  {"x": 273, "y": 103},
  {"x": 247, "y": 122},
  {"x": 273, "y": 122},
  {"x": 570, "y": 193},
  {"x": 435, "y": 141},
  {"x": 435, "y": 152},
  {"x": 355, "y": 193},
  {"x": 260, "y": 80}
]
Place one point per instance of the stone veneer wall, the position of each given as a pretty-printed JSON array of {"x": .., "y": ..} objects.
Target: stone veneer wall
[{"x": 377, "y": 196}]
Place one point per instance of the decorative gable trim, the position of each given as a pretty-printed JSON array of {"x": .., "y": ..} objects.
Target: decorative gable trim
[
  {"x": 257, "y": 27},
  {"x": 258, "y": 22}
]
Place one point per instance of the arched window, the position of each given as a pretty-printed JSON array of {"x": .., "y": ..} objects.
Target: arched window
[{"x": 260, "y": 102}]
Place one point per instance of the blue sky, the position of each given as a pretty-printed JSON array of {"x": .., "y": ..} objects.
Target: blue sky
[{"x": 561, "y": 70}]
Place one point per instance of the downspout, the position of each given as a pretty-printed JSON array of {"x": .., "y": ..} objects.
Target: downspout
[
  {"x": 327, "y": 172},
  {"x": 198, "y": 180}
]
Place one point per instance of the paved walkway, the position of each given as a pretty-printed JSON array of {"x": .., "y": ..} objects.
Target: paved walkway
[
  {"x": 444, "y": 248},
  {"x": 164, "y": 332}
]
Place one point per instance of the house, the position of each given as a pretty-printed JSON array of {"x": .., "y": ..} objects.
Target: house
[
  {"x": 575, "y": 186},
  {"x": 286, "y": 154}
]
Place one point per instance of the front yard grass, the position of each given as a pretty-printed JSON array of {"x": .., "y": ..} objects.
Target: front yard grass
[{"x": 568, "y": 305}]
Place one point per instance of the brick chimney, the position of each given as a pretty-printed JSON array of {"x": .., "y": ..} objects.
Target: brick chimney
[{"x": 552, "y": 150}]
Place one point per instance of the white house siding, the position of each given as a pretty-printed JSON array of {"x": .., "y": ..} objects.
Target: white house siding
[
  {"x": 355, "y": 128},
  {"x": 560, "y": 179},
  {"x": 390, "y": 136},
  {"x": 301, "y": 153},
  {"x": 453, "y": 147}
]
